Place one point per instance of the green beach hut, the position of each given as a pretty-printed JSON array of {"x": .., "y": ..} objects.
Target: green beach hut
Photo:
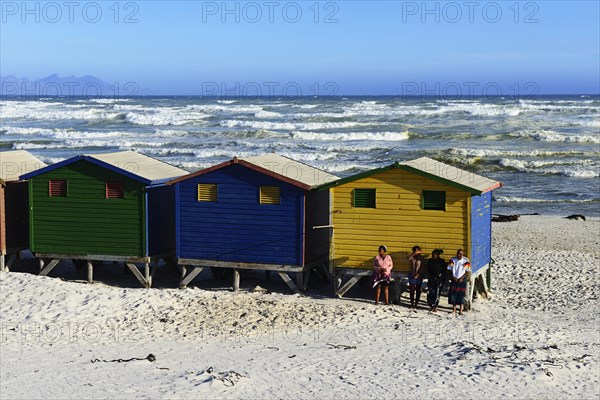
[{"x": 103, "y": 207}]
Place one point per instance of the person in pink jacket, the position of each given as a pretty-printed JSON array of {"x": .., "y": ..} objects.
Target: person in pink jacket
[{"x": 382, "y": 274}]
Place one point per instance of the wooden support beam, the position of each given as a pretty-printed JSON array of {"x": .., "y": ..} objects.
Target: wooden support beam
[
  {"x": 240, "y": 265},
  {"x": 355, "y": 278},
  {"x": 236, "y": 280},
  {"x": 3, "y": 267},
  {"x": 153, "y": 269},
  {"x": 187, "y": 279},
  {"x": 11, "y": 259},
  {"x": 136, "y": 272},
  {"x": 147, "y": 274},
  {"x": 289, "y": 282},
  {"x": 90, "y": 271},
  {"x": 300, "y": 280},
  {"x": 470, "y": 293},
  {"x": 337, "y": 281},
  {"x": 53, "y": 263},
  {"x": 305, "y": 280}
]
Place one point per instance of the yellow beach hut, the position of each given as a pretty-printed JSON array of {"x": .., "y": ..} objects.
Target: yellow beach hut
[{"x": 419, "y": 202}]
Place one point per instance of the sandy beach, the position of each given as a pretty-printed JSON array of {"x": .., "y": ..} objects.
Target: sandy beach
[{"x": 536, "y": 338}]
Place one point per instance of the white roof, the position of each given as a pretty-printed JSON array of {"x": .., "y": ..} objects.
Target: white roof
[
  {"x": 450, "y": 173},
  {"x": 291, "y": 169},
  {"x": 140, "y": 165},
  {"x": 15, "y": 163}
]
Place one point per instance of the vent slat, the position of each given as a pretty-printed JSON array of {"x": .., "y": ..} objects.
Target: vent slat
[
  {"x": 364, "y": 198},
  {"x": 270, "y": 195},
  {"x": 115, "y": 190},
  {"x": 57, "y": 188},
  {"x": 207, "y": 192}
]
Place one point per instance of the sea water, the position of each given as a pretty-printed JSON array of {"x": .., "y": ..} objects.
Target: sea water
[{"x": 543, "y": 149}]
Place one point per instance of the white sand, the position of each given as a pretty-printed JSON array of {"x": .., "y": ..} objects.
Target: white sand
[{"x": 537, "y": 337}]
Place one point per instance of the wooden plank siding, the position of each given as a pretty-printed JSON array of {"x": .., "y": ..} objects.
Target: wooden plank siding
[
  {"x": 16, "y": 216},
  {"x": 237, "y": 228},
  {"x": 398, "y": 221},
  {"x": 85, "y": 222},
  {"x": 481, "y": 231}
]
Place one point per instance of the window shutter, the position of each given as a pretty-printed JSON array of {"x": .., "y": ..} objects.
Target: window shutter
[
  {"x": 434, "y": 200},
  {"x": 207, "y": 192},
  {"x": 270, "y": 195},
  {"x": 364, "y": 198},
  {"x": 115, "y": 190},
  {"x": 57, "y": 188}
]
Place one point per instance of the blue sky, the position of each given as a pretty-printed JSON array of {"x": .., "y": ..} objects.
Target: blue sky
[{"x": 348, "y": 47}]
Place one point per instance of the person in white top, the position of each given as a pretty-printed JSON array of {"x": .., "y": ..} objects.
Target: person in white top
[{"x": 458, "y": 266}]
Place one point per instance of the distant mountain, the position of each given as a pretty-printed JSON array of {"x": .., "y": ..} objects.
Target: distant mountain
[{"x": 71, "y": 86}]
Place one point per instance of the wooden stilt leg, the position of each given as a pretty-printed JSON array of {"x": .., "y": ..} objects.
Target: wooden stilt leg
[
  {"x": 337, "y": 281},
  {"x": 187, "y": 279},
  {"x": 341, "y": 291},
  {"x": 153, "y": 269},
  {"x": 300, "y": 280},
  {"x": 90, "y": 272},
  {"x": 147, "y": 274},
  {"x": 11, "y": 259},
  {"x": 289, "y": 282},
  {"x": 470, "y": 293},
  {"x": 46, "y": 270},
  {"x": 305, "y": 280},
  {"x": 136, "y": 272},
  {"x": 236, "y": 280},
  {"x": 2, "y": 265}
]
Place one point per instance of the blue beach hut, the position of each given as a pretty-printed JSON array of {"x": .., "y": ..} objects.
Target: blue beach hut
[{"x": 256, "y": 213}]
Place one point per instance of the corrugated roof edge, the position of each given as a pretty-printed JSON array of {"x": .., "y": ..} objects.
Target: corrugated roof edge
[
  {"x": 247, "y": 164},
  {"x": 93, "y": 160},
  {"x": 398, "y": 165}
]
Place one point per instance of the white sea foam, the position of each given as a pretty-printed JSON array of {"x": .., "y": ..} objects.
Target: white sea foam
[
  {"x": 500, "y": 153},
  {"x": 166, "y": 116},
  {"x": 575, "y": 169},
  {"x": 267, "y": 114},
  {"x": 227, "y": 101},
  {"x": 289, "y": 125},
  {"x": 551, "y": 136},
  {"x": 51, "y": 111},
  {"x": 377, "y": 136},
  {"x": 108, "y": 101},
  {"x": 514, "y": 199}
]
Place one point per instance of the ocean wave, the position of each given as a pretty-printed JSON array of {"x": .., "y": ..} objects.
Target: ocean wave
[
  {"x": 234, "y": 123},
  {"x": 574, "y": 169},
  {"x": 227, "y": 101},
  {"x": 106, "y": 101},
  {"x": 513, "y": 153},
  {"x": 267, "y": 114},
  {"x": 551, "y": 136},
  {"x": 45, "y": 112},
  {"x": 377, "y": 136},
  {"x": 514, "y": 199},
  {"x": 165, "y": 117}
]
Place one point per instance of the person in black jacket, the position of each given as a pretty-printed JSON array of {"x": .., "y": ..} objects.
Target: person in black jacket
[{"x": 437, "y": 270}]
